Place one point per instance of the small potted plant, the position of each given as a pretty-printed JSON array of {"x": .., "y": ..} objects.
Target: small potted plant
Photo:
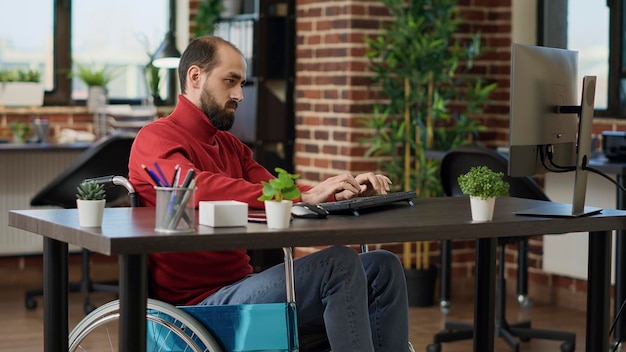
[
  {"x": 96, "y": 78},
  {"x": 20, "y": 130},
  {"x": 90, "y": 201},
  {"x": 483, "y": 186},
  {"x": 278, "y": 195},
  {"x": 21, "y": 87}
]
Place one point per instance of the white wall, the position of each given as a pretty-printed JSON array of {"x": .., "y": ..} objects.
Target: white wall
[
  {"x": 524, "y": 20},
  {"x": 567, "y": 254}
]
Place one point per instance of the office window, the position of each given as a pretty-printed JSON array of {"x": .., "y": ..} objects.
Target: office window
[
  {"x": 51, "y": 34},
  {"x": 595, "y": 28},
  {"x": 26, "y": 36},
  {"x": 588, "y": 33}
]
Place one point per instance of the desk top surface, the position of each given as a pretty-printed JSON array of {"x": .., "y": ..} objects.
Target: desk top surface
[{"x": 131, "y": 230}]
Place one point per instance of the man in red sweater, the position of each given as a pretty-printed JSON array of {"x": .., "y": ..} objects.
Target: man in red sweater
[{"x": 359, "y": 298}]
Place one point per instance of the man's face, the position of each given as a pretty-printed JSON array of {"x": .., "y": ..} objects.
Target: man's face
[{"x": 222, "y": 89}]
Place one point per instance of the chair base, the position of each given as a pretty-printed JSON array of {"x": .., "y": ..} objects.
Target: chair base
[
  {"x": 31, "y": 303},
  {"x": 457, "y": 331}
]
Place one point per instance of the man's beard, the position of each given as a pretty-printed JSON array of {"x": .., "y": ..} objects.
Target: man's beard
[{"x": 221, "y": 118}]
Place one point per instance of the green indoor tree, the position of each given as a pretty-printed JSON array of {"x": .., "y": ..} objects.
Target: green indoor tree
[
  {"x": 208, "y": 14},
  {"x": 423, "y": 71}
]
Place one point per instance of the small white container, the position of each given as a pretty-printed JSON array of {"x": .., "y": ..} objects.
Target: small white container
[
  {"x": 482, "y": 209},
  {"x": 223, "y": 213}
]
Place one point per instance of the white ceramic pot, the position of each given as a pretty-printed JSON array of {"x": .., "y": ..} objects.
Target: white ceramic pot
[
  {"x": 90, "y": 212},
  {"x": 231, "y": 8},
  {"x": 482, "y": 209},
  {"x": 96, "y": 97},
  {"x": 15, "y": 94},
  {"x": 278, "y": 214}
]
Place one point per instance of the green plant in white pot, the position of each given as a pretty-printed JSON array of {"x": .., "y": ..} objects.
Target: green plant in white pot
[
  {"x": 278, "y": 195},
  {"x": 20, "y": 130},
  {"x": 90, "y": 201},
  {"x": 96, "y": 77},
  {"x": 21, "y": 87},
  {"x": 483, "y": 185}
]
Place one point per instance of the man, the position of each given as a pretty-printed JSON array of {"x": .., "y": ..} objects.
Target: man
[{"x": 360, "y": 299}]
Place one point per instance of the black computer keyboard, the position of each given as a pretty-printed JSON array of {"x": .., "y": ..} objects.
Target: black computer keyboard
[{"x": 355, "y": 204}]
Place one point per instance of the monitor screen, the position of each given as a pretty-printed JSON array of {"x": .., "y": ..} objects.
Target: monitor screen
[
  {"x": 550, "y": 127},
  {"x": 542, "y": 78}
]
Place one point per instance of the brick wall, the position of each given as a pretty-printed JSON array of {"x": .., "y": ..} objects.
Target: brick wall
[
  {"x": 333, "y": 93},
  {"x": 332, "y": 85}
]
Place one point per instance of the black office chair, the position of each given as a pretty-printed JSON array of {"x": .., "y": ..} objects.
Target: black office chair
[
  {"x": 108, "y": 156},
  {"x": 453, "y": 164}
]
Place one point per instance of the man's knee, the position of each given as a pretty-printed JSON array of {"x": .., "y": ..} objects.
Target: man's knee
[
  {"x": 383, "y": 259},
  {"x": 342, "y": 253}
]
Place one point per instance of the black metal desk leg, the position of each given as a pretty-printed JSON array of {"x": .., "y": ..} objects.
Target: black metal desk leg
[
  {"x": 133, "y": 296},
  {"x": 445, "y": 276},
  {"x": 620, "y": 268},
  {"x": 55, "y": 289},
  {"x": 485, "y": 297},
  {"x": 598, "y": 293}
]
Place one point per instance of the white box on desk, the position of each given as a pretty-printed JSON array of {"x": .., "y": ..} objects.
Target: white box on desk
[{"x": 223, "y": 213}]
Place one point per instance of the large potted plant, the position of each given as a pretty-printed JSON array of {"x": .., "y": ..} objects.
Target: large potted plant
[
  {"x": 90, "y": 201},
  {"x": 209, "y": 12},
  {"x": 428, "y": 96},
  {"x": 96, "y": 77},
  {"x": 428, "y": 92},
  {"x": 278, "y": 195},
  {"x": 21, "y": 87},
  {"x": 483, "y": 186}
]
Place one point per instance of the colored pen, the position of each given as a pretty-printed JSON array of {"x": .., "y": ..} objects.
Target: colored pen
[
  {"x": 190, "y": 175},
  {"x": 189, "y": 178},
  {"x": 181, "y": 205},
  {"x": 152, "y": 175},
  {"x": 161, "y": 175},
  {"x": 176, "y": 176}
]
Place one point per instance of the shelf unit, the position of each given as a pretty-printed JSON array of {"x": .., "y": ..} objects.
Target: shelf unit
[{"x": 265, "y": 32}]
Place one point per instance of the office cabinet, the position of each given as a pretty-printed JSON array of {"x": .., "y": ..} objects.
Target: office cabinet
[{"x": 264, "y": 31}]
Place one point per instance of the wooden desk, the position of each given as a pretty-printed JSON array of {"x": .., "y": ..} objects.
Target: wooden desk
[{"x": 129, "y": 233}]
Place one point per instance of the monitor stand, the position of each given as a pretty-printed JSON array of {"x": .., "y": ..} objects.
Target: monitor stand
[
  {"x": 583, "y": 149},
  {"x": 559, "y": 210}
]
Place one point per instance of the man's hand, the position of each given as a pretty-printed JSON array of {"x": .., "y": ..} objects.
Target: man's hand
[{"x": 346, "y": 186}]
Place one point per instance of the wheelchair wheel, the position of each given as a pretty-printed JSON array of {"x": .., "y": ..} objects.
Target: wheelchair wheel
[{"x": 168, "y": 329}]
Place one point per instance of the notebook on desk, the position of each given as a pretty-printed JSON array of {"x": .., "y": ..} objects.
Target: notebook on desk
[{"x": 355, "y": 204}]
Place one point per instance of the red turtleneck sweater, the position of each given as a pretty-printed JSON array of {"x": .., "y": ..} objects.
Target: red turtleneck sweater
[{"x": 225, "y": 171}]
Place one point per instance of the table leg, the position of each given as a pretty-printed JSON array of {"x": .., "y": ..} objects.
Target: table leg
[
  {"x": 620, "y": 268},
  {"x": 485, "y": 297},
  {"x": 133, "y": 296},
  {"x": 598, "y": 291},
  {"x": 55, "y": 289},
  {"x": 445, "y": 276}
]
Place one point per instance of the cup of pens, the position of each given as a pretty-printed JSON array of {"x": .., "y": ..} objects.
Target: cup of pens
[{"x": 175, "y": 209}]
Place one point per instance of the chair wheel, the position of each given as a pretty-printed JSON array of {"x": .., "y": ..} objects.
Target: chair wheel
[
  {"x": 524, "y": 339},
  {"x": 30, "y": 303},
  {"x": 568, "y": 346},
  {"x": 433, "y": 347},
  {"x": 444, "y": 306}
]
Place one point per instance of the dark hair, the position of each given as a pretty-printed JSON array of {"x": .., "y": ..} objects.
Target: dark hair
[{"x": 201, "y": 52}]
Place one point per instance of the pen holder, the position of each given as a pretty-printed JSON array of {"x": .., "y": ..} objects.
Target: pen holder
[{"x": 174, "y": 209}]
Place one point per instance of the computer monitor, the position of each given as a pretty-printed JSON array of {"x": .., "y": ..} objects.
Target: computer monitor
[{"x": 550, "y": 129}]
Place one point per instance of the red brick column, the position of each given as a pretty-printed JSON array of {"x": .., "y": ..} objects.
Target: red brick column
[{"x": 332, "y": 85}]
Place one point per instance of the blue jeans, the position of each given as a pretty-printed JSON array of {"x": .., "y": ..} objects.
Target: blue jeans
[{"x": 360, "y": 298}]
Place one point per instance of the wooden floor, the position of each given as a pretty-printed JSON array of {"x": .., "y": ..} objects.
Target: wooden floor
[{"x": 21, "y": 330}]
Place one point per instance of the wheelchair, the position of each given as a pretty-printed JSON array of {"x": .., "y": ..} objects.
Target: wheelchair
[{"x": 223, "y": 328}]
